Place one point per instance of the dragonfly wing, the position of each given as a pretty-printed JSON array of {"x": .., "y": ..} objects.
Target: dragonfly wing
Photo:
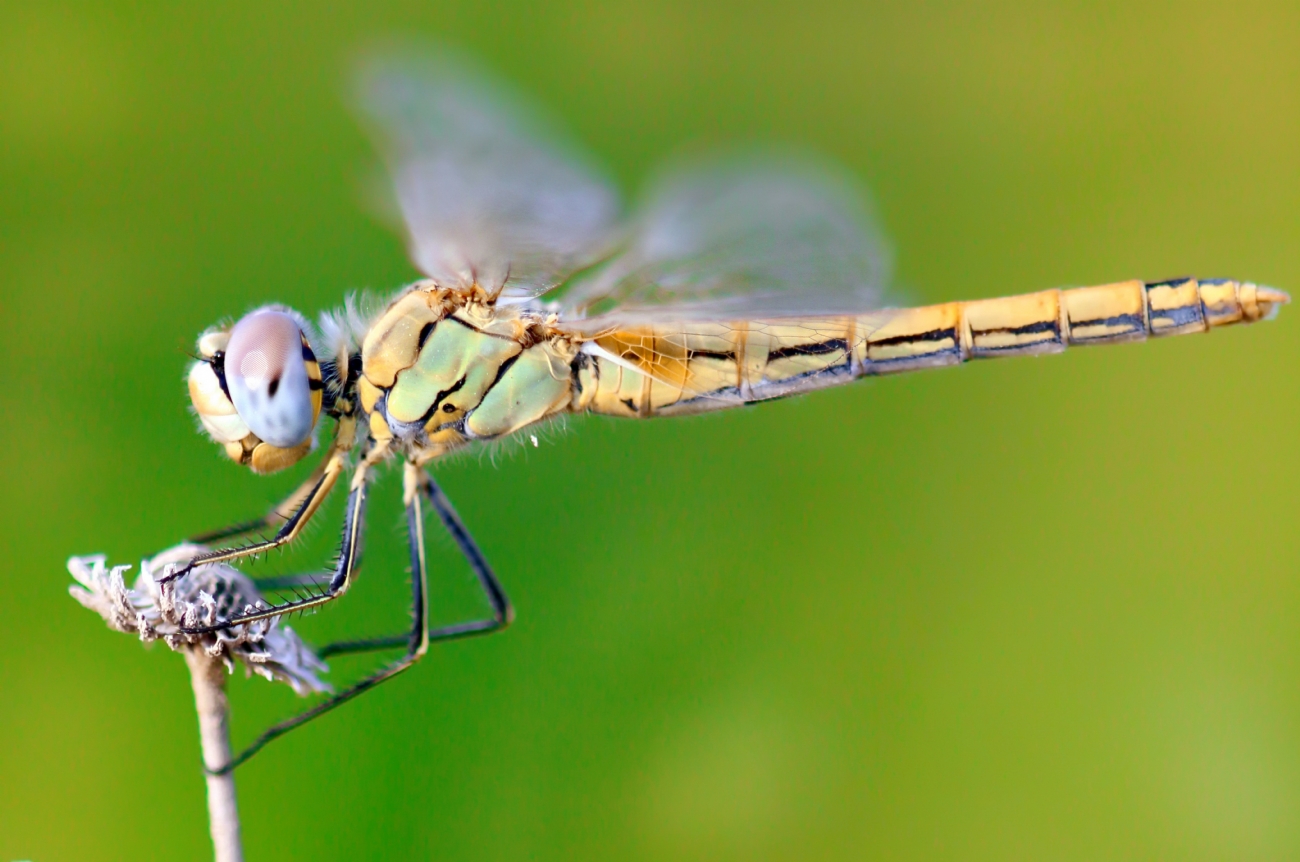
[
  {"x": 739, "y": 237},
  {"x": 490, "y": 192}
]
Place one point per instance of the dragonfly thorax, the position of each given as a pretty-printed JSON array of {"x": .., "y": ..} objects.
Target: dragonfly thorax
[{"x": 441, "y": 368}]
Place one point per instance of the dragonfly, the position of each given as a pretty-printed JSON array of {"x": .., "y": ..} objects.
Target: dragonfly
[{"x": 740, "y": 278}]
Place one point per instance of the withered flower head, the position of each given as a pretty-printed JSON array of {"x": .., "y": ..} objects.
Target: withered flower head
[{"x": 162, "y": 611}]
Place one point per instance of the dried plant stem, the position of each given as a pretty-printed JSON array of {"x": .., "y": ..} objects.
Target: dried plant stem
[{"x": 208, "y": 676}]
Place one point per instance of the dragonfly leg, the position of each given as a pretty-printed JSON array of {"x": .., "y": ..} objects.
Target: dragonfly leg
[
  {"x": 416, "y": 642},
  {"x": 288, "y": 531},
  {"x": 339, "y": 580},
  {"x": 502, "y": 611},
  {"x": 277, "y": 516},
  {"x": 418, "y": 638}
]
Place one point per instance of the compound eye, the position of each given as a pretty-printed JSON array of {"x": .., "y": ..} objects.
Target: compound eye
[{"x": 266, "y": 373}]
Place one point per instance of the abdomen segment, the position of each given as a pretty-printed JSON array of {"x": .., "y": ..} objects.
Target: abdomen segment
[{"x": 693, "y": 367}]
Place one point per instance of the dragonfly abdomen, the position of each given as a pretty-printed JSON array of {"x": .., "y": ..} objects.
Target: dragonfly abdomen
[{"x": 692, "y": 367}]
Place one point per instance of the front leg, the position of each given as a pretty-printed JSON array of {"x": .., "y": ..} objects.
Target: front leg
[
  {"x": 417, "y": 638},
  {"x": 278, "y": 515},
  {"x": 339, "y": 580},
  {"x": 288, "y": 531}
]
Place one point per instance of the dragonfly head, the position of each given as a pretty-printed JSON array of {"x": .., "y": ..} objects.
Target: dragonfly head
[{"x": 256, "y": 387}]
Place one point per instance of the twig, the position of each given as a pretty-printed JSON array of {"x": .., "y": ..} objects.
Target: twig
[
  {"x": 208, "y": 676},
  {"x": 169, "y": 611}
]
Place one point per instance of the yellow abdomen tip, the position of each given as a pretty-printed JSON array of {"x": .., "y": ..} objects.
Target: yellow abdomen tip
[{"x": 1270, "y": 300}]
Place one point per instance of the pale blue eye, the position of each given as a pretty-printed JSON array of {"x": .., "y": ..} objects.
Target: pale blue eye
[{"x": 267, "y": 377}]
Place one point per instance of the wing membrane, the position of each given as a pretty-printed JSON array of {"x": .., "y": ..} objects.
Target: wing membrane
[
  {"x": 489, "y": 191},
  {"x": 736, "y": 237}
]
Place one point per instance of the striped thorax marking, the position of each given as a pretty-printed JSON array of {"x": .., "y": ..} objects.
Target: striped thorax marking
[{"x": 442, "y": 368}]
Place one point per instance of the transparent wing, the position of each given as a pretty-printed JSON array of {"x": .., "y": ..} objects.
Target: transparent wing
[
  {"x": 490, "y": 192},
  {"x": 734, "y": 237}
]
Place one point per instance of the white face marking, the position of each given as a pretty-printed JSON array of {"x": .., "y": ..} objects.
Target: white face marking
[{"x": 267, "y": 378}]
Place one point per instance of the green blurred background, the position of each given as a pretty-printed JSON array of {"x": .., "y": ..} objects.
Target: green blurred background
[{"x": 1035, "y": 609}]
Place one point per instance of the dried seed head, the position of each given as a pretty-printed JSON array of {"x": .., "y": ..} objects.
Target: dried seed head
[{"x": 161, "y": 611}]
